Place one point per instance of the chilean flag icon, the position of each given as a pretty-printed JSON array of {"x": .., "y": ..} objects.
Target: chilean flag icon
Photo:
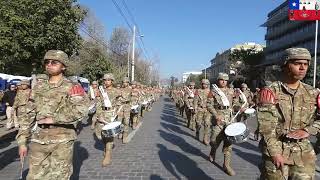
[{"x": 307, "y": 10}]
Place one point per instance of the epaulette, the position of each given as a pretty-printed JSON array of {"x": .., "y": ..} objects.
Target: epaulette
[{"x": 267, "y": 96}]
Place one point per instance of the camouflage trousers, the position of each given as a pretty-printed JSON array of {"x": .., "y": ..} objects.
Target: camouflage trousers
[
  {"x": 203, "y": 118},
  {"x": 302, "y": 172},
  {"x": 217, "y": 136},
  {"x": 191, "y": 123},
  {"x": 50, "y": 161},
  {"x": 107, "y": 141},
  {"x": 125, "y": 117}
]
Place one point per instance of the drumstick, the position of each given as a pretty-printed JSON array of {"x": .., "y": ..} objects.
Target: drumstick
[{"x": 22, "y": 164}]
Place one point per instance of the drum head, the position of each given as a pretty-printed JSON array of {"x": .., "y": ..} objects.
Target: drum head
[
  {"x": 111, "y": 125},
  {"x": 134, "y": 107},
  {"x": 235, "y": 129},
  {"x": 249, "y": 111}
]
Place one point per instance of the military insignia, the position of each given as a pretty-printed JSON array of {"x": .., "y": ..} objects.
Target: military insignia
[{"x": 267, "y": 97}]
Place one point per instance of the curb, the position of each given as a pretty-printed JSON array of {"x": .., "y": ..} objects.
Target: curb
[{"x": 132, "y": 133}]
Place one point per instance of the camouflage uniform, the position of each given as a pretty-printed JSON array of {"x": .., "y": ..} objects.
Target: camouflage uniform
[
  {"x": 94, "y": 94},
  {"x": 51, "y": 147},
  {"x": 217, "y": 109},
  {"x": 181, "y": 102},
  {"x": 283, "y": 110},
  {"x": 200, "y": 106},
  {"x": 190, "y": 112},
  {"x": 21, "y": 99},
  {"x": 239, "y": 102},
  {"x": 126, "y": 109},
  {"x": 105, "y": 115},
  {"x": 135, "y": 99}
]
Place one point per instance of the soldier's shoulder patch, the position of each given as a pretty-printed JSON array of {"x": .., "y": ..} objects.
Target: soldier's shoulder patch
[
  {"x": 267, "y": 96},
  {"x": 210, "y": 94}
]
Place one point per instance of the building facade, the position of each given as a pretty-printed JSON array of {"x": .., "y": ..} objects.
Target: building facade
[
  {"x": 187, "y": 74},
  {"x": 221, "y": 62},
  {"x": 283, "y": 33}
]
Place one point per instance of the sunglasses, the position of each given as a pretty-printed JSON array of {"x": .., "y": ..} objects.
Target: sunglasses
[{"x": 52, "y": 62}]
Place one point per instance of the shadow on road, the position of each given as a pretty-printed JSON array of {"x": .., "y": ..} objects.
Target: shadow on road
[
  {"x": 155, "y": 177},
  {"x": 80, "y": 154},
  {"x": 249, "y": 157},
  {"x": 9, "y": 156},
  {"x": 176, "y": 162},
  {"x": 182, "y": 144}
]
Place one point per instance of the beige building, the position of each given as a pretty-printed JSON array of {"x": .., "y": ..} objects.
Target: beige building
[{"x": 221, "y": 62}]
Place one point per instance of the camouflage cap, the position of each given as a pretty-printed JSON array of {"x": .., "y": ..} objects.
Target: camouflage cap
[
  {"x": 295, "y": 53},
  {"x": 205, "y": 81},
  {"x": 244, "y": 85},
  {"x": 95, "y": 82},
  {"x": 134, "y": 83},
  {"x": 42, "y": 76},
  {"x": 192, "y": 83},
  {"x": 223, "y": 76},
  {"x": 25, "y": 82},
  {"x": 57, "y": 55},
  {"x": 125, "y": 80},
  {"x": 108, "y": 76}
]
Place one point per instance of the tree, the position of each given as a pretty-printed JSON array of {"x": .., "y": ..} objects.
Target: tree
[
  {"x": 309, "y": 77},
  {"x": 31, "y": 27},
  {"x": 243, "y": 62}
]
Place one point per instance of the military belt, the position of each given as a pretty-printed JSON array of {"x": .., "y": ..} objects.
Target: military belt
[
  {"x": 283, "y": 138},
  {"x": 221, "y": 107},
  {"x": 52, "y": 126}
]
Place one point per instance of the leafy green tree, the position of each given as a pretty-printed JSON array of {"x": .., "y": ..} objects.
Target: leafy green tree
[{"x": 31, "y": 27}]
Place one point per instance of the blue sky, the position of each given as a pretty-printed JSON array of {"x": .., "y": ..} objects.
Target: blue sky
[{"x": 186, "y": 34}]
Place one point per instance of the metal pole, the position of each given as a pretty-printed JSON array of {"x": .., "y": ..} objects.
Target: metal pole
[
  {"x": 133, "y": 42},
  {"x": 315, "y": 56},
  {"x": 129, "y": 60}
]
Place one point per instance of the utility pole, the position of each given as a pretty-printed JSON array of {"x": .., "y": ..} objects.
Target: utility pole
[{"x": 132, "y": 63}]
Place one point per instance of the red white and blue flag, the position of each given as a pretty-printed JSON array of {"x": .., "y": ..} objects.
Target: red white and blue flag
[{"x": 304, "y": 10}]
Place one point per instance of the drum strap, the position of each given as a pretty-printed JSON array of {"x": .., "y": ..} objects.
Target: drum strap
[
  {"x": 106, "y": 100},
  {"x": 92, "y": 94}
]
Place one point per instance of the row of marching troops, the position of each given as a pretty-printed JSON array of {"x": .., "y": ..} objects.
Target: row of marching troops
[
  {"x": 213, "y": 109},
  {"x": 125, "y": 103},
  {"x": 49, "y": 114},
  {"x": 287, "y": 113}
]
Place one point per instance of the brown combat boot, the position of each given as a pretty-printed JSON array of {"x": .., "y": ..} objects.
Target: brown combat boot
[
  {"x": 206, "y": 140},
  {"x": 226, "y": 165},
  {"x": 107, "y": 158},
  {"x": 212, "y": 155},
  {"x": 124, "y": 137}
]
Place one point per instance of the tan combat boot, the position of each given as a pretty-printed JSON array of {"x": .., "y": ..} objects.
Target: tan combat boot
[
  {"x": 206, "y": 140},
  {"x": 124, "y": 137},
  {"x": 212, "y": 155},
  {"x": 107, "y": 158},
  {"x": 226, "y": 165}
]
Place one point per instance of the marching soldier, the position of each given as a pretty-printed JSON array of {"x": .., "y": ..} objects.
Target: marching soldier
[
  {"x": 220, "y": 106},
  {"x": 135, "y": 98},
  {"x": 94, "y": 94},
  {"x": 200, "y": 106},
  {"x": 190, "y": 112},
  {"x": 105, "y": 112},
  {"x": 126, "y": 108},
  {"x": 244, "y": 100},
  {"x": 53, "y": 110},
  {"x": 22, "y": 98},
  {"x": 286, "y": 115},
  {"x": 181, "y": 101}
]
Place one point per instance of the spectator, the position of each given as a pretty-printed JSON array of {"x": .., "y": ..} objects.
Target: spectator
[{"x": 8, "y": 99}]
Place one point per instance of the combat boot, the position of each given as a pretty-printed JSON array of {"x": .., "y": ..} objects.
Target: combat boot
[
  {"x": 226, "y": 165},
  {"x": 212, "y": 155},
  {"x": 206, "y": 140},
  {"x": 124, "y": 137},
  {"x": 107, "y": 158}
]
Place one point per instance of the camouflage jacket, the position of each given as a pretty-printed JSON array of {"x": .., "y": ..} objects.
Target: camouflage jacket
[
  {"x": 52, "y": 100},
  {"x": 282, "y": 110},
  {"x": 125, "y": 95},
  {"x": 135, "y": 96},
  {"x": 189, "y": 98},
  {"x": 216, "y": 107},
  {"x": 201, "y": 98},
  {"x": 21, "y": 100},
  {"x": 104, "y": 114}
]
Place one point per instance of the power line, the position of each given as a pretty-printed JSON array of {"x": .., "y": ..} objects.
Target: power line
[{"x": 129, "y": 25}]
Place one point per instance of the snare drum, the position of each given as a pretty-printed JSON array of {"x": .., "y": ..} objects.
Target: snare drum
[
  {"x": 250, "y": 112},
  {"x": 237, "y": 132},
  {"x": 135, "y": 109},
  {"x": 111, "y": 129},
  {"x": 92, "y": 109},
  {"x": 145, "y": 104}
]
